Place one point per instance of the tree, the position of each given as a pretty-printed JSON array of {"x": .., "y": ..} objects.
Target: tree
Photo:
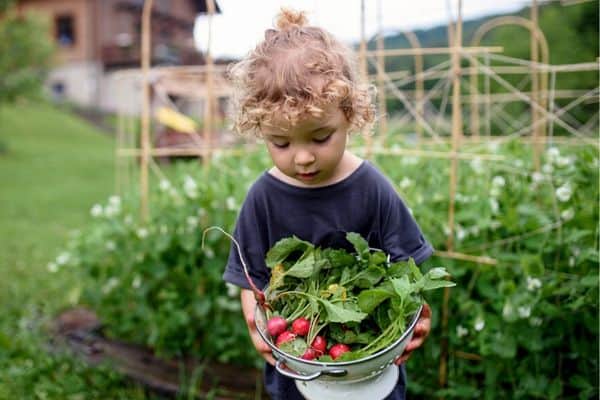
[{"x": 26, "y": 52}]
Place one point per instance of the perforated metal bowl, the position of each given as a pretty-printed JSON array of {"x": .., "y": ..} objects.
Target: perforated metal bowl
[{"x": 347, "y": 371}]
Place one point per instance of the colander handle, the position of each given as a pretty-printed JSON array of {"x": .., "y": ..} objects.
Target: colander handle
[{"x": 285, "y": 370}]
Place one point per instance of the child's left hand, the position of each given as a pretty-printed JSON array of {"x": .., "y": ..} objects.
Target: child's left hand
[{"x": 419, "y": 335}]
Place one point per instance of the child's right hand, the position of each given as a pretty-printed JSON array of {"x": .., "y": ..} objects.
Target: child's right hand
[{"x": 248, "y": 308}]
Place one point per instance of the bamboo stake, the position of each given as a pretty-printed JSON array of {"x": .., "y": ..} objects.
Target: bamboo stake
[
  {"x": 363, "y": 67},
  {"x": 145, "y": 122},
  {"x": 534, "y": 84},
  {"x": 456, "y": 136},
  {"x": 380, "y": 72},
  {"x": 434, "y": 50},
  {"x": 208, "y": 101}
]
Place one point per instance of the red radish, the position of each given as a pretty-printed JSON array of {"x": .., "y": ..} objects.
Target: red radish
[
  {"x": 319, "y": 344},
  {"x": 309, "y": 354},
  {"x": 338, "y": 349},
  {"x": 276, "y": 325},
  {"x": 301, "y": 326},
  {"x": 285, "y": 336}
]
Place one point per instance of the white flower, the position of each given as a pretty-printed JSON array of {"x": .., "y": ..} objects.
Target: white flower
[
  {"x": 190, "y": 187},
  {"x": 110, "y": 245},
  {"x": 479, "y": 324},
  {"x": 405, "y": 183},
  {"x": 460, "y": 233},
  {"x": 114, "y": 201},
  {"x": 498, "y": 181},
  {"x": 142, "y": 233},
  {"x": 507, "y": 310},
  {"x": 535, "y": 321},
  {"x": 537, "y": 177},
  {"x": 564, "y": 192},
  {"x": 533, "y": 283},
  {"x": 96, "y": 210},
  {"x": 493, "y": 146},
  {"x": 110, "y": 285},
  {"x": 63, "y": 258},
  {"x": 446, "y": 230},
  {"x": 494, "y": 205},
  {"x": 547, "y": 168},
  {"x": 524, "y": 311},
  {"x": 567, "y": 214},
  {"x": 164, "y": 185},
  {"x": 564, "y": 161},
  {"x": 52, "y": 267},
  {"x": 518, "y": 163},
  {"x": 477, "y": 165},
  {"x": 230, "y": 203},
  {"x": 571, "y": 262},
  {"x": 461, "y": 331},
  {"x": 192, "y": 221},
  {"x": 137, "y": 282},
  {"x": 232, "y": 290},
  {"x": 209, "y": 253},
  {"x": 553, "y": 153}
]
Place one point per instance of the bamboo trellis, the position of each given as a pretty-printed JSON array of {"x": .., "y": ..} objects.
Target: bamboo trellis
[{"x": 449, "y": 87}]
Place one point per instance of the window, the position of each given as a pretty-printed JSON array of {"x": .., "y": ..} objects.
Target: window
[{"x": 65, "y": 30}]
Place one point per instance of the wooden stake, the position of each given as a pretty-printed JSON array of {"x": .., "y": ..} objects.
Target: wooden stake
[
  {"x": 456, "y": 137},
  {"x": 534, "y": 85},
  {"x": 380, "y": 75},
  {"x": 145, "y": 122},
  {"x": 209, "y": 81}
]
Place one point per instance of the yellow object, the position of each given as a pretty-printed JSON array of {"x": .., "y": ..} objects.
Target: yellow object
[{"x": 176, "y": 120}]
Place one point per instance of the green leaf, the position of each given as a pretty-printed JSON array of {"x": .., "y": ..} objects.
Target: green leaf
[
  {"x": 304, "y": 267},
  {"x": 360, "y": 244},
  {"x": 283, "y": 248},
  {"x": 369, "y": 299},
  {"x": 295, "y": 347},
  {"x": 402, "y": 286},
  {"x": 370, "y": 276},
  {"x": 436, "y": 273},
  {"x": 338, "y": 313},
  {"x": 430, "y": 285}
]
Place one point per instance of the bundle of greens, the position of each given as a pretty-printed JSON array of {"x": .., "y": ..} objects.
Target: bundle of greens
[{"x": 329, "y": 305}]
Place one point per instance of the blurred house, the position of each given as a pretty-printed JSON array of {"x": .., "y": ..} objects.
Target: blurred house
[{"x": 99, "y": 38}]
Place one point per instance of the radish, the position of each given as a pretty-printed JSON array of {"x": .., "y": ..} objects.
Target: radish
[
  {"x": 319, "y": 344},
  {"x": 338, "y": 349},
  {"x": 301, "y": 326},
  {"x": 309, "y": 354},
  {"x": 276, "y": 325},
  {"x": 284, "y": 337}
]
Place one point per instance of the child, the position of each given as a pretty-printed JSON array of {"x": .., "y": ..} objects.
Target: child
[{"x": 299, "y": 91}]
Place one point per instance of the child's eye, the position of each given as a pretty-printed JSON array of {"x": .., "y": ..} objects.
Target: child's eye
[
  {"x": 281, "y": 145},
  {"x": 322, "y": 139}
]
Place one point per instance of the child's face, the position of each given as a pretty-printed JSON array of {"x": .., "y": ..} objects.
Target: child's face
[{"x": 310, "y": 152}]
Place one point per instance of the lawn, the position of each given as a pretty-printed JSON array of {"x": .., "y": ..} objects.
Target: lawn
[{"x": 53, "y": 168}]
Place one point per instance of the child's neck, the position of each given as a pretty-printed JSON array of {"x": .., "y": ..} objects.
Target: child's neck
[{"x": 348, "y": 164}]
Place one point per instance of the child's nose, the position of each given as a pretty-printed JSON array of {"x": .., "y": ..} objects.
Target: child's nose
[{"x": 303, "y": 157}]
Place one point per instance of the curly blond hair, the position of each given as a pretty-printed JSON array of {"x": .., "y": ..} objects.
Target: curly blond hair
[{"x": 294, "y": 72}]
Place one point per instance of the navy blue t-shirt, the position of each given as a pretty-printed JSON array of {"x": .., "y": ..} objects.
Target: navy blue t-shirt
[{"x": 365, "y": 202}]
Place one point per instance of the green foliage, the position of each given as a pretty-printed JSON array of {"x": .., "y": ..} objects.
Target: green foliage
[
  {"x": 530, "y": 322},
  {"x": 25, "y": 55}
]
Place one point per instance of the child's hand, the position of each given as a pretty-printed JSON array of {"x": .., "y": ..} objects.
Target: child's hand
[
  {"x": 248, "y": 307},
  {"x": 421, "y": 332}
]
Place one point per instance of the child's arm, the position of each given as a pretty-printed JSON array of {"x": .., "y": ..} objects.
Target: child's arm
[
  {"x": 248, "y": 308},
  {"x": 420, "y": 334}
]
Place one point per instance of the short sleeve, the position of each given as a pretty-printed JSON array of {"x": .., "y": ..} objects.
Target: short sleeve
[
  {"x": 401, "y": 236},
  {"x": 253, "y": 246}
]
